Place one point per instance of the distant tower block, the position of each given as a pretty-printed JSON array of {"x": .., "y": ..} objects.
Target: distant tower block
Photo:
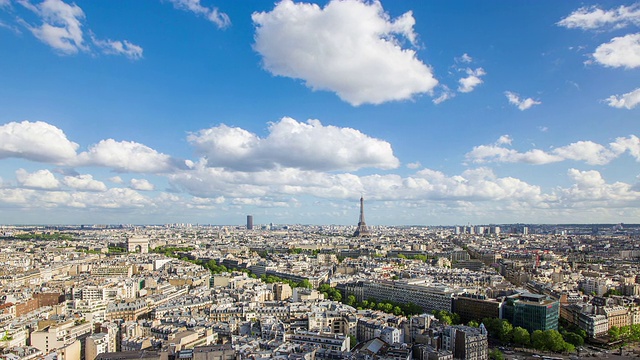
[
  {"x": 362, "y": 229},
  {"x": 249, "y": 222},
  {"x": 139, "y": 244}
]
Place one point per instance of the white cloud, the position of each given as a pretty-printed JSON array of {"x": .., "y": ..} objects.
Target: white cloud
[
  {"x": 116, "y": 180},
  {"x": 591, "y": 190},
  {"x": 414, "y": 165},
  {"x": 585, "y": 151},
  {"x": 126, "y": 156},
  {"x": 593, "y": 18},
  {"x": 350, "y": 47},
  {"x": 629, "y": 144},
  {"x": 465, "y": 58},
  {"x": 628, "y": 101},
  {"x": 467, "y": 84},
  {"x": 41, "y": 179},
  {"x": 212, "y": 14},
  {"x": 522, "y": 104},
  {"x": 290, "y": 143},
  {"x": 445, "y": 95},
  {"x": 142, "y": 184},
  {"x": 84, "y": 183},
  {"x": 132, "y": 51},
  {"x": 62, "y": 25},
  {"x": 37, "y": 141},
  {"x": 61, "y": 29},
  {"x": 621, "y": 51},
  {"x": 504, "y": 140},
  {"x": 479, "y": 184},
  {"x": 116, "y": 198}
]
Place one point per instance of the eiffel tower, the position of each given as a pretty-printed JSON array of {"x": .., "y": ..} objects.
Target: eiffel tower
[{"x": 362, "y": 229}]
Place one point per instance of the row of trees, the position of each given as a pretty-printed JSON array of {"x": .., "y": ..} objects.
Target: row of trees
[
  {"x": 270, "y": 279},
  {"x": 548, "y": 340},
  {"x": 625, "y": 333},
  {"x": 386, "y": 306}
]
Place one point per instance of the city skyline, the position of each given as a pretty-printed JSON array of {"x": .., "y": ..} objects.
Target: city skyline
[{"x": 205, "y": 111}]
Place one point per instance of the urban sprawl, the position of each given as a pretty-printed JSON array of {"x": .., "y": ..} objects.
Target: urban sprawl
[{"x": 318, "y": 292}]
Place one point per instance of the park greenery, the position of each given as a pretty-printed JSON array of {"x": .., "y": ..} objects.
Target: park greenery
[{"x": 421, "y": 257}]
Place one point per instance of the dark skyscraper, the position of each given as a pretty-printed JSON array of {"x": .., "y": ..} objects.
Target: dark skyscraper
[
  {"x": 249, "y": 222},
  {"x": 362, "y": 229}
]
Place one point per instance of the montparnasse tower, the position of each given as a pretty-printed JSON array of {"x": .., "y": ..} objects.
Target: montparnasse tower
[{"x": 362, "y": 229}]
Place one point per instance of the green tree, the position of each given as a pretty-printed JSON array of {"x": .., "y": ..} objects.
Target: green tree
[
  {"x": 397, "y": 311},
  {"x": 388, "y": 308},
  {"x": 554, "y": 341},
  {"x": 352, "y": 341},
  {"x": 496, "y": 354},
  {"x": 521, "y": 336},
  {"x": 401, "y": 256},
  {"x": 305, "y": 284},
  {"x": 505, "y": 331},
  {"x": 614, "y": 333},
  {"x": 473, "y": 323},
  {"x": 350, "y": 300},
  {"x": 538, "y": 340},
  {"x": 574, "y": 339}
]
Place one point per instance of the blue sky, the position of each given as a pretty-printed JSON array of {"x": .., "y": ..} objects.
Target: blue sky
[{"x": 196, "y": 111}]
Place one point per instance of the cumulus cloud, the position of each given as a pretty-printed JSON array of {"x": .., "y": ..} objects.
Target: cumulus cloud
[
  {"x": 290, "y": 143},
  {"x": 628, "y": 101},
  {"x": 594, "y": 18},
  {"x": 61, "y": 29},
  {"x": 37, "y": 141},
  {"x": 41, "y": 179},
  {"x": 414, "y": 165},
  {"x": 522, "y": 104},
  {"x": 116, "y": 198},
  {"x": 478, "y": 184},
  {"x": 586, "y": 151},
  {"x": 117, "y": 47},
  {"x": 84, "y": 182},
  {"x": 591, "y": 189},
  {"x": 142, "y": 185},
  {"x": 127, "y": 156},
  {"x": 623, "y": 51},
  {"x": 212, "y": 14},
  {"x": 350, "y": 47},
  {"x": 467, "y": 84}
]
